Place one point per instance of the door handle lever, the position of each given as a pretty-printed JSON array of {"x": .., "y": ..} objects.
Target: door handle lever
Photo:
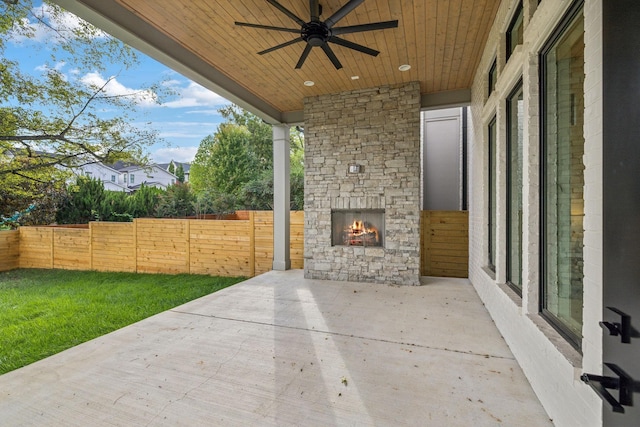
[
  {"x": 625, "y": 385},
  {"x": 622, "y": 328}
]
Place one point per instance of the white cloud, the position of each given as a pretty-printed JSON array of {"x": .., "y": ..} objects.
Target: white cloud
[
  {"x": 185, "y": 130},
  {"x": 65, "y": 22},
  {"x": 179, "y": 154},
  {"x": 45, "y": 68},
  {"x": 213, "y": 112},
  {"x": 144, "y": 98},
  {"x": 193, "y": 95}
]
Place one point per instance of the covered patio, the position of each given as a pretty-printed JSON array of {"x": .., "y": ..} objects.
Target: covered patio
[
  {"x": 279, "y": 349},
  {"x": 552, "y": 247}
]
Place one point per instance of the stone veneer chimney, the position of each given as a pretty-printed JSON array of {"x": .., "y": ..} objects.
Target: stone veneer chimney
[{"x": 378, "y": 129}]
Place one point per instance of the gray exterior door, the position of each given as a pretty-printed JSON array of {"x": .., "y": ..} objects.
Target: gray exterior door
[
  {"x": 442, "y": 160},
  {"x": 621, "y": 199}
]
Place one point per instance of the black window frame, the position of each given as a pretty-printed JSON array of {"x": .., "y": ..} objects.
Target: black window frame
[
  {"x": 491, "y": 178},
  {"x": 519, "y": 13},
  {"x": 492, "y": 76},
  {"x": 518, "y": 87},
  {"x": 575, "y": 341}
]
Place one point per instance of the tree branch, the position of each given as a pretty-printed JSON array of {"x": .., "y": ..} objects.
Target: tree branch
[{"x": 85, "y": 106}]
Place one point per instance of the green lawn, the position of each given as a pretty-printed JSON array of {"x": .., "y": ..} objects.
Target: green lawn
[{"x": 43, "y": 312}]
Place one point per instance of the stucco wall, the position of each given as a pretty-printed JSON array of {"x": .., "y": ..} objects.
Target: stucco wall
[
  {"x": 379, "y": 129},
  {"x": 552, "y": 366}
]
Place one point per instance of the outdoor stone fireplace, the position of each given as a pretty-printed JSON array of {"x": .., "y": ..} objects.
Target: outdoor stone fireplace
[
  {"x": 362, "y": 185},
  {"x": 357, "y": 227}
]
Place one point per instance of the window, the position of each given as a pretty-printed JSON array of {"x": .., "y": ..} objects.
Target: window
[
  {"x": 113, "y": 178},
  {"x": 493, "y": 77},
  {"x": 515, "y": 125},
  {"x": 132, "y": 178},
  {"x": 492, "y": 195},
  {"x": 89, "y": 174},
  {"x": 515, "y": 31},
  {"x": 562, "y": 175}
]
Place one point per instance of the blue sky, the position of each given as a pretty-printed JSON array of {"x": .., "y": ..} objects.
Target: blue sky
[{"x": 182, "y": 120}]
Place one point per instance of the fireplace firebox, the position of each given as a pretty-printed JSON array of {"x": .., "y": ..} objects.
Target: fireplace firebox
[{"x": 361, "y": 227}]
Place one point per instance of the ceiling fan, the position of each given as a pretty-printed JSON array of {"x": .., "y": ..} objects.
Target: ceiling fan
[{"x": 317, "y": 33}]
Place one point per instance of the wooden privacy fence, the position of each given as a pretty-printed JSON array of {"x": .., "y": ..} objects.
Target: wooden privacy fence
[
  {"x": 241, "y": 247},
  {"x": 9, "y": 250},
  {"x": 444, "y": 239},
  {"x": 216, "y": 247}
]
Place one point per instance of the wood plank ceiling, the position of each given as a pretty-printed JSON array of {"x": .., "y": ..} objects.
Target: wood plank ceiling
[{"x": 442, "y": 40}]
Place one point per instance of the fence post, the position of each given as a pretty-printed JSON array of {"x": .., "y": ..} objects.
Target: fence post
[
  {"x": 252, "y": 244},
  {"x": 91, "y": 245},
  {"x": 135, "y": 245},
  {"x": 188, "y": 244},
  {"x": 53, "y": 231}
]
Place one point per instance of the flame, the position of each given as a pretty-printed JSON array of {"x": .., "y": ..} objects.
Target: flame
[
  {"x": 361, "y": 233},
  {"x": 357, "y": 226}
]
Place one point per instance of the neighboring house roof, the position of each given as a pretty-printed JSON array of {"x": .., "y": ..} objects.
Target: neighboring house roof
[
  {"x": 99, "y": 164},
  {"x": 119, "y": 165},
  {"x": 147, "y": 184},
  {"x": 114, "y": 186},
  {"x": 131, "y": 168},
  {"x": 185, "y": 166}
]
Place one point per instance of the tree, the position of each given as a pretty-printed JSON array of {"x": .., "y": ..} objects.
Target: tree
[
  {"x": 171, "y": 168},
  {"x": 180, "y": 173},
  {"x": 83, "y": 202},
  {"x": 238, "y": 161},
  {"x": 177, "y": 201},
  {"x": 260, "y": 143},
  {"x": 58, "y": 119},
  {"x": 223, "y": 162},
  {"x": 144, "y": 202}
]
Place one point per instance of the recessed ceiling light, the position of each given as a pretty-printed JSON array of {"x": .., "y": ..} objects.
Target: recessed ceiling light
[
  {"x": 355, "y": 77},
  {"x": 404, "y": 67},
  {"x": 309, "y": 83}
]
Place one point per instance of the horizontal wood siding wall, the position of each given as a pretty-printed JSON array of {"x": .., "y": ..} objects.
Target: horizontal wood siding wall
[
  {"x": 263, "y": 226},
  {"x": 36, "y": 247},
  {"x": 445, "y": 243},
  {"x": 113, "y": 246},
  {"x": 9, "y": 250},
  {"x": 297, "y": 239},
  {"x": 216, "y": 247},
  {"x": 71, "y": 249},
  {"x": 220, "y": 248},
  {"x": 162, "y": 245}
]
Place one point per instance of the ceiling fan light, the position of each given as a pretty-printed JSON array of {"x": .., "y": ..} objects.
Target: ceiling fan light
[
  {"x": 317, "y": 33},
  {"x": 404, "y": 67}
]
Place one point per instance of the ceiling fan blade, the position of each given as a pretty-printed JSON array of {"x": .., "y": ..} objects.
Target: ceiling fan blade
[
  {"x": 286, "y": 11},
  {"x": 342, "y": 12},
  {"x": 332, "y": 56},
  {"x": 354, "y": 46},
  {"x": 280, "y": 46},
  {"x": 268, "y": 27},
  {"x": 303, "y": 57},
  {"x": 314, "y": 7},
  {"x": 364, "y": 27}
]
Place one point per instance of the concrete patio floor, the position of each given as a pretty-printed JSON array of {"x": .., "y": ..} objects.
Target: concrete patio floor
[{"x": 281, "y": 350}]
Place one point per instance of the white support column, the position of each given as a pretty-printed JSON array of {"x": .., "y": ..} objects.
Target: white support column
[{"x": 281, "y": 198}]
